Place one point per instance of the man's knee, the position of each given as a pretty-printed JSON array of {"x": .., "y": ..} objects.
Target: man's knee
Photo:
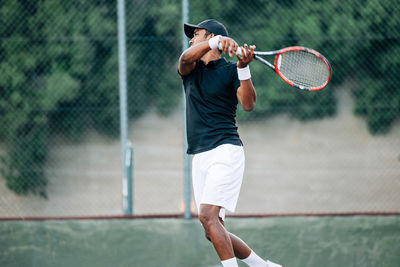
[
  {"x": 206, "y": 220},
  {"x": 208, "y": 217},
  {"x": 202, "y": 218}
]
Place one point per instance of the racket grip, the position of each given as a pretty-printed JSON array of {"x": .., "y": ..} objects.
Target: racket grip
[{"x": 238, "y": 51}]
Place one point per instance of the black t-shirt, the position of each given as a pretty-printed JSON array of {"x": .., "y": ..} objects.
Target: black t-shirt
[{"x": 211, "y": 103}]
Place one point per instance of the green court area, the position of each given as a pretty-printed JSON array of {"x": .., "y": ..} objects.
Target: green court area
[{"x": 364, "y": 241}]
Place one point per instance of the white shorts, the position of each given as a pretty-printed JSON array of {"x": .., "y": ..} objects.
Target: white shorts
[{"x": 217, "y": 176}]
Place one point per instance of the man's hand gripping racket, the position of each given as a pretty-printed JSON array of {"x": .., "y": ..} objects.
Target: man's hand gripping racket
[{"x": 299, "y": 66}]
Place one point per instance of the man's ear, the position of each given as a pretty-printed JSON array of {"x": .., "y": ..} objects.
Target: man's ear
[{"x": 211, "y": 35}]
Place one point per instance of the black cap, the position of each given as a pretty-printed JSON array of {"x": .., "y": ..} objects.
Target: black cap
[{"x": 210, "y": 25}]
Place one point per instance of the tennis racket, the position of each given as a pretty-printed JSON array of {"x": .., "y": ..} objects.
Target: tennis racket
[{"x": 301, "y": 67}]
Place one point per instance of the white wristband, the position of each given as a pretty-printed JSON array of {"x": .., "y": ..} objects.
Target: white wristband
[
  {"x": 244, "y": 74},
  {"x": 213, "y": 42}
]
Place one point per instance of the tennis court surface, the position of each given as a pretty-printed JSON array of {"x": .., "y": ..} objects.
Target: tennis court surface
[{"x": 364, "y": 241}]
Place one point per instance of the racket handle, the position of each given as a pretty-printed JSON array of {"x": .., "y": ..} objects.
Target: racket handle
[{"x": 238, "y": 51}]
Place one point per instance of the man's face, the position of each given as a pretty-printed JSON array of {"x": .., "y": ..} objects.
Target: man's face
[{"x": 199, "y": 36}]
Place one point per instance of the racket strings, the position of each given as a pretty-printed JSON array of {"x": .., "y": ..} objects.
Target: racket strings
[{"x": 304, "y": 69}]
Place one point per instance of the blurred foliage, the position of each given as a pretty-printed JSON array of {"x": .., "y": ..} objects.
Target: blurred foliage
[
  {"x": 59, "y": 65},
  {"x": 360, "y": 38}
]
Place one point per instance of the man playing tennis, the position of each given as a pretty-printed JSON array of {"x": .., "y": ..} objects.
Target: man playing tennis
[{"x": 213, "y": 88}]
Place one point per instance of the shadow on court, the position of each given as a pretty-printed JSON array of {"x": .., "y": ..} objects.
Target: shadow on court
[{"x": 365, "y": 241}]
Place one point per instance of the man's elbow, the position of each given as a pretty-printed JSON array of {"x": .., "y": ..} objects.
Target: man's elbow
[
  {"x": 185, "y": 66},
  {"x": 249, "y": 106}
]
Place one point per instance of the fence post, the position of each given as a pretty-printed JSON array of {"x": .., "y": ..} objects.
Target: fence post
[
  {"x": 187, "y": 184},
  {"x": 126, "y": 189},
  {"x": 128, "y": 196}
]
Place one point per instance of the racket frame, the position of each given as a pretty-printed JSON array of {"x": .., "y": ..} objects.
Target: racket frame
[{"x": 275, "y": 66}]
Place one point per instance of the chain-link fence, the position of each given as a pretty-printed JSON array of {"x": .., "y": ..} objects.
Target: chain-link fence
[{"x": 337, "y": 150}]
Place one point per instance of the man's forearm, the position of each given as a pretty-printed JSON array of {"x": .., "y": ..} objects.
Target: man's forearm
[
  {"x": 246, "y": 95},
  {"x": 189, "y": 57},
  {"x": 195, "y": 52}
]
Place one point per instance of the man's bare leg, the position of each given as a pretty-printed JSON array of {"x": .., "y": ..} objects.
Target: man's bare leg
[
  {"x": 215, "y": 231},
  {"x": 226, "y": 244}
]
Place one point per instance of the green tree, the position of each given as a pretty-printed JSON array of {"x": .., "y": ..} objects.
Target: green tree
[
  {"x": 378, "y": 97},
  {"x": 22, "y": 121},
  {"x": 52, "y": 57}
]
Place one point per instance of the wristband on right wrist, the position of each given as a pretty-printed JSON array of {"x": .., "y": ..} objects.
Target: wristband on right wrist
[{"x": 244, "y": 73}]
